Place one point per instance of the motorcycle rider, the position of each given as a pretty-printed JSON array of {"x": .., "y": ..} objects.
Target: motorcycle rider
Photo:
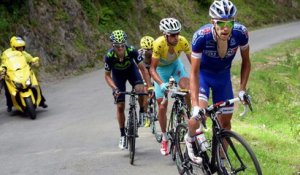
[{"x": 17, "y": 44}]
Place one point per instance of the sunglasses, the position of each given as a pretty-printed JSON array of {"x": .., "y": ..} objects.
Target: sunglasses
[
  {"x": 223, "y": 24},
  {"x": 174, "y": 34},
  {"x": 119, "y": 45}
]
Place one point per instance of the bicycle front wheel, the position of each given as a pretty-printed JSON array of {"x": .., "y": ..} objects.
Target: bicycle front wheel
[
  {"x": 132, "y": 131},
  {"x": 182, "y": 161},
  {"x": 234, "y": 156},
  {"x": 152, "y": 114}
]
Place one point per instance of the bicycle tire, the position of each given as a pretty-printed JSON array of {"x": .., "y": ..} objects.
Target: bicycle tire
[
  {"x": 240, "y": 158},
  {"x": 171, "y": 132},
  {"x": 181, "y": 161},
  {"x": 152, "y": 113},
  {"x": 177, "y": 117},
  {"x": 132, "y": 126}
]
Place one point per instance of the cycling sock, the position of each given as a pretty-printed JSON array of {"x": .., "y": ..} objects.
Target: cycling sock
[
  {"x": 165, "y": 136},
  {"x": 122, "y": 130},
  {"x": 142, "y": 109}
]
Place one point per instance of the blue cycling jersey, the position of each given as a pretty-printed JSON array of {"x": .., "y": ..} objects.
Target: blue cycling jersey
[
  {"x": 204, "y": 46},
  {"x": 214, "y": 70}
]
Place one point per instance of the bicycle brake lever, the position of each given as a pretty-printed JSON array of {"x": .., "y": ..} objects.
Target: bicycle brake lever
[
  {"x": 165, "y": 98},
  {"x": 248, "y": 101}
]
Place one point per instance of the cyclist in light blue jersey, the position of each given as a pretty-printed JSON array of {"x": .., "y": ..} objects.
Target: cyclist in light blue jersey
[{"x": 214, "y": 46}]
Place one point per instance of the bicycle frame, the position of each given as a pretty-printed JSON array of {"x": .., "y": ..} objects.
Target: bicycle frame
[
  {"x": 131, "y": 127},
  {"x": 178, "y": 107},
  {"x": 213, "y": 114}
]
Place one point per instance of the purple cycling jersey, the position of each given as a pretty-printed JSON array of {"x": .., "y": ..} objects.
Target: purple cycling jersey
[{"x": 204, "y": 46}]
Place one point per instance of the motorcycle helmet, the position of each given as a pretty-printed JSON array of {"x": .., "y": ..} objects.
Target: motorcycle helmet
[{"x": 17, "y": 41}]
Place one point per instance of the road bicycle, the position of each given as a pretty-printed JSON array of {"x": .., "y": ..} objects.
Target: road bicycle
[
  {"x": 131, "y": 128},
  {"x": 227, "y": 154},
  {"x": 179, "y": 114}
]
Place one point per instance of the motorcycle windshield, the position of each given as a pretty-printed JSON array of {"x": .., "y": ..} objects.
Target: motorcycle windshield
[{"x": 17, "y": 69}]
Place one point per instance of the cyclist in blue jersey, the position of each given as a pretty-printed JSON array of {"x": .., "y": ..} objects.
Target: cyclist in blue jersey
[
  {"x": 213, "y": 48},
  {"x": 122, "y": 63}
]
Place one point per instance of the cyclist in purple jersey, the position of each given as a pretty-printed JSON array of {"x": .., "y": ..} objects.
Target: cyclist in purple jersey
[{"x": 213, "y": 48}]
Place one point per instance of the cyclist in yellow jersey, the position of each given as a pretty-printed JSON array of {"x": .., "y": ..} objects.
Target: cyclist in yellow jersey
[
  {"x": 145, "y": 52},
  {"x": 166, "y": 62}
]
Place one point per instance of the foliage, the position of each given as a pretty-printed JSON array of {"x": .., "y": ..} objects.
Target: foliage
[
  {"x": 274, "y": 126},
  {"x": 138, "y": 18}
]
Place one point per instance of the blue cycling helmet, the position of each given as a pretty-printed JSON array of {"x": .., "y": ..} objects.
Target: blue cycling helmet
[{"x": 222, "y": 9}]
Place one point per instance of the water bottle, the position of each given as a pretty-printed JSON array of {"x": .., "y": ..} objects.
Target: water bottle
[{"x": 203, "y": 143}]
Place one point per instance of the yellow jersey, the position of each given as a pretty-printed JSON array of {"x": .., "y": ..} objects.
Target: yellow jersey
[
  {"x": 161, "y": 50},
  {"x": 11, "y": 52}
]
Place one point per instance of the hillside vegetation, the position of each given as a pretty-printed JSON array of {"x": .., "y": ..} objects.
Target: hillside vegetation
[
  {"x": 71, "y": 36},
  {"x": 273, "y": 128}
]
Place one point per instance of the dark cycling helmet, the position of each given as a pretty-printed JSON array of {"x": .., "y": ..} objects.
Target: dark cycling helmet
[
  {"x": 147, "y": 42},
  {"x": 222, "y": 9},
  {"x": 17, "y": 41},
  {"x": 118, "y": 36},
  {"x": 170, "y": 26}
]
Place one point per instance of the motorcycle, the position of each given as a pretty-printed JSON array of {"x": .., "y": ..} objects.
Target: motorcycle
[{"x": 22, "y": 85}]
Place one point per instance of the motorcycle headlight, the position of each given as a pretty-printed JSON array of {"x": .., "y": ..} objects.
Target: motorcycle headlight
[{"x": 28, "y": 82}]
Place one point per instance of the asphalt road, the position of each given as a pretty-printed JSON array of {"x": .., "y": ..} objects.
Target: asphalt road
[{"x": 78, "y": 134}]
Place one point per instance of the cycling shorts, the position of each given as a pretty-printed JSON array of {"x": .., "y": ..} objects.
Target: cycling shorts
[
  {"x": 175, "y": 69},
  {"x": 132, "y": 75},
  {"x": 220, "y": 85}
]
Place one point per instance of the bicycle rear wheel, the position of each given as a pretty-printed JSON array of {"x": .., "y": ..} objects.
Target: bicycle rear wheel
[{"x": 234, "y": 156}]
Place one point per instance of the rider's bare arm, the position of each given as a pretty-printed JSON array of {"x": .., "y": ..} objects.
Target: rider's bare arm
[
  {"x": 145, "y": 73},
  {"x": 194, "y": 80},
  {"x": 245, "y": 68},
  {"x": 154, "y": 74},
  {"x": 109, "y": 80}
]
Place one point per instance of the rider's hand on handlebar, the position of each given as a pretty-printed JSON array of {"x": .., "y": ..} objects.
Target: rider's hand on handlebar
[
  {"x": 198, "y": 113},
  {"x": 116, "y": 92},
  {"x": 150, "y": 89},
  {"x": 245, "y": 99},
  {"x": 241, "y": 96},
  {"x": 164, "y": 87},
  {"x": 36, "y": 64}
]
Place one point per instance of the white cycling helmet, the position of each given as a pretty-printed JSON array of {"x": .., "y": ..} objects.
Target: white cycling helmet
[
  {"x": 222, "y": 9},
  {"x": 169, "y": 26}
]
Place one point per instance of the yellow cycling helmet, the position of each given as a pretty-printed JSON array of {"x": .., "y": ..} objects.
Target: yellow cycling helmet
[
  {"x": 147, "y": 42},
  {"x": 17, "y": 41}
]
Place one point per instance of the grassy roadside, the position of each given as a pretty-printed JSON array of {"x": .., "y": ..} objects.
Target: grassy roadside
[{"x": 273, "y": 129}]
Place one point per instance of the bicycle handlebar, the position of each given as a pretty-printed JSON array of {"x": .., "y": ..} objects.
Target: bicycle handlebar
[
  {"x": 216, "y": 106},
  {"x": 129, "y": 93},
  {"x": 133, "y": 93},
  {"x": 173, "y": 91}
]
